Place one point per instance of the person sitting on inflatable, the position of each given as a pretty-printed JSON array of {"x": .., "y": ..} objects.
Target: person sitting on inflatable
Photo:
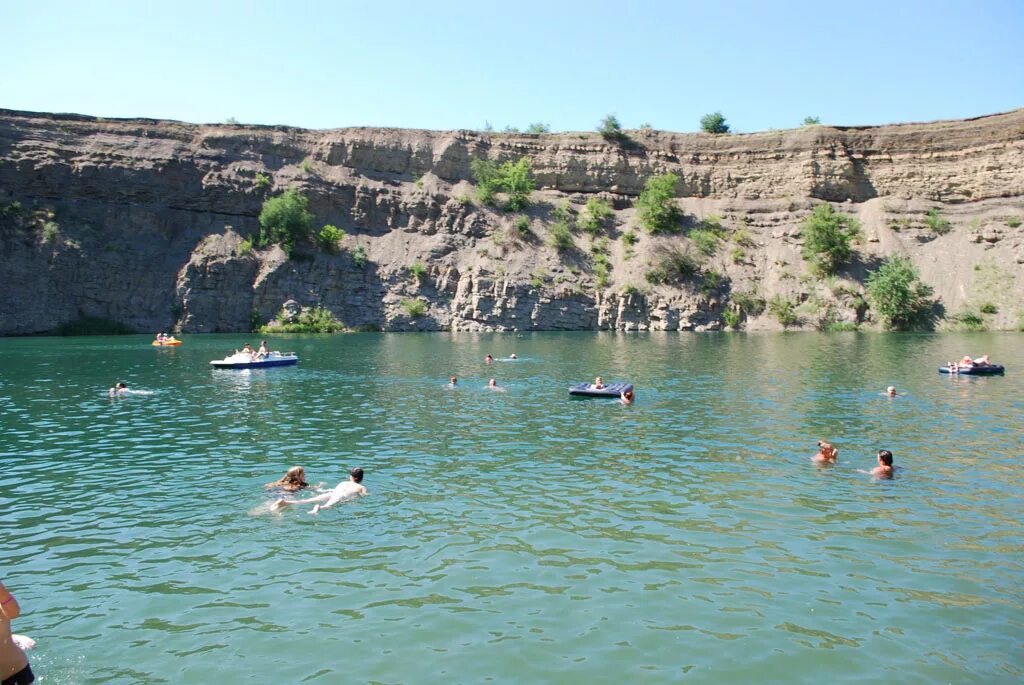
[{"x": 598, "y": 384}]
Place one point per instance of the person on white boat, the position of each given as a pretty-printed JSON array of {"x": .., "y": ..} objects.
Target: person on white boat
[
  {"x": 246, "y": 350},
  {"x": 263, "y": 351},
  {"x": 343, "y": 491}
]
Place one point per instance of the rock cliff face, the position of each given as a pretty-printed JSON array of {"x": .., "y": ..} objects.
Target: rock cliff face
[{"x": 142, "y": 223}]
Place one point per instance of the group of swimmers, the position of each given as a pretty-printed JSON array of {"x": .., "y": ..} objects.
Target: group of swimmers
[
  {"x": 625, "y": 397},
  {"x": 294, "y": 480},
  {"x": 828, "y": 454}
]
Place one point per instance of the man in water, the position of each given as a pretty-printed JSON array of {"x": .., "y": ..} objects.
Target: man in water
[
  {"x": 118, "y": 390},
  {"x": 891, "y": 391},
  {"x": 885, "y": 468},
  {"x": 343, "y": 491}
]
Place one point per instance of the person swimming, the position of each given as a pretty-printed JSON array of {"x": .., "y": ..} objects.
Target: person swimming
[
  {"x": 885, "y": 469},
  {"x": 827, "y": 454},
  {"x": 626, "y": 397},
  {"x": 119, "y": 390},
  {"x": 891, "y": 391},
  {"x": 453, "y": 382},
  {"x": 345, "y": 490},
  {"x": 488, "y": 359},
  {"x": 294, "y": 479}
]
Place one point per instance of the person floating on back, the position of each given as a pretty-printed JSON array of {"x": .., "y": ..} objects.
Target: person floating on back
[{"x": 343, "y": 491}]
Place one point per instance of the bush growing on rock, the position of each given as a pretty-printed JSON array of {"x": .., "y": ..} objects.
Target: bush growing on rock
[
  {"x": 611, "y": 130},
  {"x": 285, "y": 219},
  {"x": 560, "y": 236},
  {"x": 937, "y": 222},
  {"x": 514, "y": 178},
  {"x": 812, "y": 121},
  {"x": 784, "y": 310},
  {"x": 897, "y": 296},
  {"x": 414, "y": 308},
  {"x": 657, "y": 206},
  {"x": 827, "y": 236},
  {"x": 731, "y": 318},
  {"x": 329, "y": 237},
  {"x": 749, "y": 303},
  {"x": 418, "y": 271},
  {"x": 359, "y": 256},
  {"x": 595, "y": 215},
  {"x": 309, "y": 320},
  {"x": 714, "y": 123},
  {"x": 671, "y": 265}
]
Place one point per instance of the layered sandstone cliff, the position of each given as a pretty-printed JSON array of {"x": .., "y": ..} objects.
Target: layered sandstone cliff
[{"x": 142, "y": 223}]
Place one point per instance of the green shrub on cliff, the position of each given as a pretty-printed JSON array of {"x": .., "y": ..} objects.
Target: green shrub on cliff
[
  {"x": 897, "y": 296},
  {"x": 827, "y": 236},
  {"x": 329, "y": 237},
  {"x": 414, "y": 308},
  {"x": 611, "y": 130},
  {"x": 657, "y": 206},
  {"x": 285, "y": 219},
  {"x": 784, "y": 310},
  {"x": 595, "y": 215},
  {"x": 938, "y": 223},
  {"x": 418, "y": 271},
  {"x": 310, "y": 320},
  {"x": 560, "y": 237},
  {"x": 514, "y": 178},
  {"x": 360, "y": 257}
]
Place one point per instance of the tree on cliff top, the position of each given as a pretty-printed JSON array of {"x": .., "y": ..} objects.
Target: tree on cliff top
[
  {"x": 657, "y": 206},
  {"x": 285, "y": 219},
  {"x": 714, "y": 123}
]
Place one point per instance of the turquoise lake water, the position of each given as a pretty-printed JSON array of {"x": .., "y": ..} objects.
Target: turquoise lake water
[{"x": 517, "y": 536}]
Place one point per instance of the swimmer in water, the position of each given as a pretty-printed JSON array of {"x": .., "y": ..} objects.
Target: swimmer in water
[
  {"x": 493, "y": 385},
  {"x": 453, "y": 382},
  {"x": 827, "y": 454},
  {"x": 885, "y": 468},
  {"x": 626, "y": 397},
  {"x": 891, "y": 391},
  {"x": 293, "y": 480},
  {"x": 513, "y": 356},
  {"x": 119, "y": 390},
  {"x": 488, "y": 359},
  {"x": 345, "y": 490}
]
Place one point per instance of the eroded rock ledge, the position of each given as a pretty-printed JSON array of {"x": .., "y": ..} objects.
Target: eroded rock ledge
[{"x": 141, "y": 222}]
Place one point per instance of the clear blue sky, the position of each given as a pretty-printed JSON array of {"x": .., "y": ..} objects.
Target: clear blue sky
[{"x": 444, "y": 65}]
